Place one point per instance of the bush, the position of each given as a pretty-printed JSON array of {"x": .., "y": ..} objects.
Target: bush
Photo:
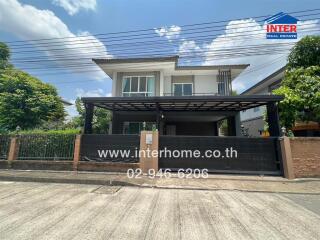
[{"x": 47, "y": 132}]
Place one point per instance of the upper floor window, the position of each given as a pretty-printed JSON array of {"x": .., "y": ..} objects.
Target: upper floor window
[
  {"x": 182, "y": 89},
  {"x": 135, "y": 86}
]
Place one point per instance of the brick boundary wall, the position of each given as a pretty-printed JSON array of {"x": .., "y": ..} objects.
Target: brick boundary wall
[{"x": 305, "y": 153}]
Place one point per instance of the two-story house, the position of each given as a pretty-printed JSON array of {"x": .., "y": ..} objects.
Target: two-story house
[{"x": 157, "y": 93}]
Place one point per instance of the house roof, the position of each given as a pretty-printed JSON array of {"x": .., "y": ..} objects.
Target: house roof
[
  {"x": 169, "y": 65},
  {"x": 173, "y": 59},
  {"x": 266, "y": 81},
  {"x": 281, "y": 18},
  {"x": 182, "y": 103},
  {"x": 135, "y": 60}
]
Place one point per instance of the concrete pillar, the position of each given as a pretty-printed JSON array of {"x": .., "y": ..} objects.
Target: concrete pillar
[
  {"x": 149, "y": 147},
  {"x": 161, "y": 83},
  {"x": 287, "y": 158},
  {"x": 13, "y": 149},
  {"x": 76, "y": 152},
  {"x": 114, "y": 84}
]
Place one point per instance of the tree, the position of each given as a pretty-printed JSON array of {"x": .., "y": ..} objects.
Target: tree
[
  {"x": 101, "y": 118},
  {"x": 301, "y": 84},
  {"x": 301, "y": 89},
  {"x": 26, "y": 101},
  {"x": 305, "y": 53},
  {"x": 4, "y": 56}
]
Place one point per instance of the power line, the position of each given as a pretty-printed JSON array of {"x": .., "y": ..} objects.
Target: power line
[
  {"x": 88, "y": 38},
  {"x": 234, "y": 37},
  {"x": 86, "y": 67},
  {"x": 149, "y": 29},
  {"x": 169, "y": 52},
  {"x": 97, "y": 44}
]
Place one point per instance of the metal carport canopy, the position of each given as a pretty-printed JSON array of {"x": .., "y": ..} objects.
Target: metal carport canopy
[{"x": 182, "y": 103}]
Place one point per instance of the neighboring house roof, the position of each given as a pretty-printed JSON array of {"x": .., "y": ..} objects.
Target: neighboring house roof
[
  {"x": 281, "y": 18},
  {"x": 266, "y": 81},
  {"x": 66, "y": 103}
]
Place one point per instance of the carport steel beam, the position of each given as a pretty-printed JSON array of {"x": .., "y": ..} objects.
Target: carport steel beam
[{"x": 185, "y": 103}]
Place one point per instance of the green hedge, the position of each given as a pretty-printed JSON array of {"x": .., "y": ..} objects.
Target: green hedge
[{"x": 46, "y": 132}]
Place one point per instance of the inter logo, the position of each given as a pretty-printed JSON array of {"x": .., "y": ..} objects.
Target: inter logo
[{"x": 281, "y": 26}]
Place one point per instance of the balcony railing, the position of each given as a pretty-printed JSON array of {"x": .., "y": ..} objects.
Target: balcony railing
[{"x": 193, "y": 94}]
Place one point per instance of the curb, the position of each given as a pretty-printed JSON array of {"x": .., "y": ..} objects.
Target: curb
[
  {"x": 68, "y": 181},
  {"x": 127, "y": 184}
]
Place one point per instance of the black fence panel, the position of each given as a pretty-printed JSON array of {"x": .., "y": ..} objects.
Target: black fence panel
[
  {"x": 110, "y": 148},
  {"x": 46, "y": 147},
  {"x": 245, "y": 155},
  {"x": 4, "y": 146}
]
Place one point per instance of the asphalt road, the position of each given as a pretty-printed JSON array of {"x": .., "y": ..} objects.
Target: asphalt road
[{"x": 67, "y": 211}]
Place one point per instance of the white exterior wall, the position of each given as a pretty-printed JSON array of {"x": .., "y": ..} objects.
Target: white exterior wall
[
  {"x": 161, "y": 83},
  {"x": 114, "y": 84},
  {"x": 203, "y": 84},
  {"x": 167, "y": 84},
  {"x": 206, "y": 84}
]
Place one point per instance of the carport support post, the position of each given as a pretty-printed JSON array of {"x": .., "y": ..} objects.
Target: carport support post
[
  {"x": 273, "y": 119},
  {"x": 158, "y": 117},
  {"x": 88, "y": 118},
  {"x": 149, "y": 151},
  {"x": 231, "y": 126}
]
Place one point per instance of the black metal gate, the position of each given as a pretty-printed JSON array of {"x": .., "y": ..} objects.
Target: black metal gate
[
  {"x": 221, "y": 154},
  {"x": 110, "y": 148}
]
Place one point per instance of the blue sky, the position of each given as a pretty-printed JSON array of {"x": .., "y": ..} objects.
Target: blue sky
[{"x": 36, "y": 19}]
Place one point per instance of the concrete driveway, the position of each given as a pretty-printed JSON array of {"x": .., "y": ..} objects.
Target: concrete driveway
[{"x": 67, "y": 211}]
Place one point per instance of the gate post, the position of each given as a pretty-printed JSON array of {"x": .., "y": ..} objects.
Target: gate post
[
  {"x": 76, "y": 152},
  {"x": 13, "y": 149},
  {"x": 287, "y": 158},
  {"x": 149, "y": 149}
]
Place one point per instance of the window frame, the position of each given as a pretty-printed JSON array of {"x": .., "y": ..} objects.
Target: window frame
[
  {"x": 182, "y": 83},
  {"x": 146, "y": 93}
]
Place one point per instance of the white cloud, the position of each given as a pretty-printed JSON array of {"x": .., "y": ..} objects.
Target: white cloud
[
  {"x": 28, "y": 22},
  {"x": 190, "y": 50},
  {"x": 92, "y": 93},
  {"x": 71, "y": 110},
  {"x": 74, "y": 6},
  {"x": 170, "y": 33},
  {"x": 188, "y": 47},
  {"x": 242, "y": 34}
]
